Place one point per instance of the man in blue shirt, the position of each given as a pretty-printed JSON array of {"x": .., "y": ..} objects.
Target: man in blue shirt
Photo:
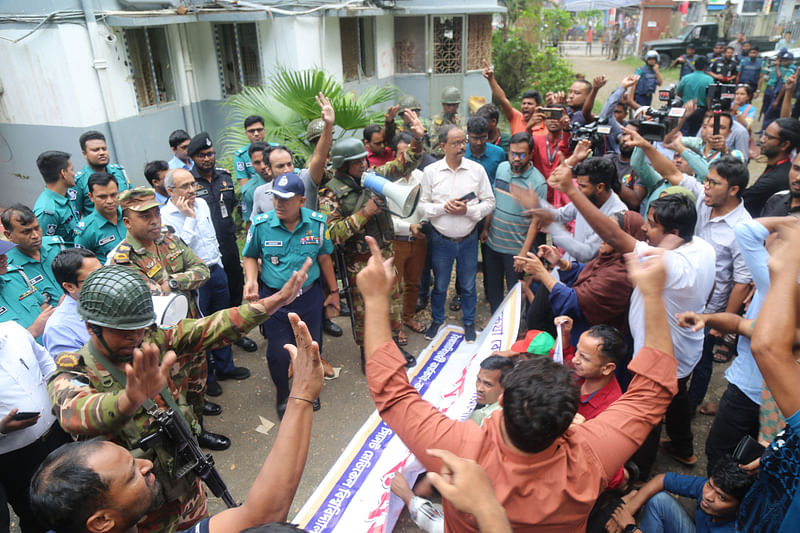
[
  {"x": 488, "y": 155},
  {"x": 686, "y": 61},
  {"x": 179, "y": 142},
  {"x": 717, "y": 496},
  {"x": 649, "y": 80},
  {"x": 750, "y": 70},
  {"x": 284, "y": 239}
]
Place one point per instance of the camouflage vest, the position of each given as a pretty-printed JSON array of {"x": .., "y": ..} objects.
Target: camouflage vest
[
  {"x": 141, "y": 425},
  {"x": 352, "y": 197}
]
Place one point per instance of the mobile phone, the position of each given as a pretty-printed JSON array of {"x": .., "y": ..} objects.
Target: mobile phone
[
  {"x": 467, "y": 197},
  {"x": 25, "y": 415},
  {"x": 552, "y": 112}
]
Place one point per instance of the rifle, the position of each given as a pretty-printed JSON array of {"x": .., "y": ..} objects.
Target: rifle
[
  {"x": 341, "y": 267},
  {"x": 187, "y": 455}
]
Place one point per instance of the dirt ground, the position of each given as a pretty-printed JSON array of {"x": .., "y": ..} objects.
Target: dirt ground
[{"x": 345, "y": 401}]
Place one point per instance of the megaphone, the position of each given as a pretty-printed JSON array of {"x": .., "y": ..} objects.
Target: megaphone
[
  {"x": 402, "y": 199},
  {"x": 170, "y": 308}
]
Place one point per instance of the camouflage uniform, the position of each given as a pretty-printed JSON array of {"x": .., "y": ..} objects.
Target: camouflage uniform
[
  {"x": 342, "y": 200},
  {"x": 439, "y": 121},
  {"x": 400, "y": 125},
  {"x": 85, "y": 399}
]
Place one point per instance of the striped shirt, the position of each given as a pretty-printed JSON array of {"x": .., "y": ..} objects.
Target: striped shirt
[{"x": 509, "y": 226}]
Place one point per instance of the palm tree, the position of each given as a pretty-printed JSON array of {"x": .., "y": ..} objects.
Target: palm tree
[{"x": 287, "y": 104}]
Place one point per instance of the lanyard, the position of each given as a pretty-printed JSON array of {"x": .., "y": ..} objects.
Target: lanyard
[{"x": 550, "y": 156}]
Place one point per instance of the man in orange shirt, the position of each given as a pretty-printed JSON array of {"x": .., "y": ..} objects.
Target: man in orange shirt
[
  {"x": 546, "y": 473},
  {"x": 519, "y": 120}
]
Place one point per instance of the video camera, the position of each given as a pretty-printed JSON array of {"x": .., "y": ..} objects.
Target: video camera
[
  {"x": 664, "y": 118},
  {"x": 595, "y": 132},
  {"x": 721, "y": 97}
]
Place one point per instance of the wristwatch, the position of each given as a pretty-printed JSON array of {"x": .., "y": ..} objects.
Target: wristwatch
[
  {"x": 173, "y": 284},
  {"x": 631, "y": 528}
]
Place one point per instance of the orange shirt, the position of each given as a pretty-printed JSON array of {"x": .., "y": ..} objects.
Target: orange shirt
[
  {"x": 552, "y": 490},
  {"x": 517, "y": 122}
]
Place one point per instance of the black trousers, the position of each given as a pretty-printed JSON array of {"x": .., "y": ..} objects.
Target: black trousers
[
  {"x": 17, "y": 469},
  {"x": 736, "y": 417},
  {"x": 678, "y": 421},
  {"x": 499, "y": 275},
  {"x": 232, "y": 264}
]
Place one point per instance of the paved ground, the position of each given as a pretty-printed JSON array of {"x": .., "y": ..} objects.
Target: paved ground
[{"x": 345, "y": 401}]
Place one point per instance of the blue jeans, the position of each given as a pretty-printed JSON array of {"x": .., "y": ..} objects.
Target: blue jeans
[
  {"x": 213, "y": 297},
  {"x": 465, "y": 254},
  {"x": 664, "y": 514}
]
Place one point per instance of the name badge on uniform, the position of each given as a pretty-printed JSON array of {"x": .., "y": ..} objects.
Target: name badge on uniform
[
  {"x": 201, "y": 192},
  {"x": 273, "y": 243},
  {"x": 106, "y": 240},
  {"x": 153, "y": 271},
  {"x": 3, "y": 309},
  {"x": 275, "y": 260},
  {"x": 37, "y": 279}
]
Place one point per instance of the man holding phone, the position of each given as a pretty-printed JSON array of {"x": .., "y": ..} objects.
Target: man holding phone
[
  {"x": 445, "y": 200},
  {"x": 28, "y": 429}
]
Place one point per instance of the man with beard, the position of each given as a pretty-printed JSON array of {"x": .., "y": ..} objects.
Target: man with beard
[
  {"x": 786, "y": 202},
  {"x": 95, "y": 151},
  {"x": 519, "y": 120},
  {"x": 114, "y": 384},
  {"x": 778, "y": 141},
  {"x": 631, "y": 190},
  {"x": 725, "y": 69},
  {"x": 508, "y": 231},
  {"x": 54, "y": 208}
]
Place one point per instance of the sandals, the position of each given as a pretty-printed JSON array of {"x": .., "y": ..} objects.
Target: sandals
[
  {"x": 414, "y": 326},
  {"x": 401, "y": 339},
  {"x": 723, "y": 351},
  {"x": 455, "y": 303}
]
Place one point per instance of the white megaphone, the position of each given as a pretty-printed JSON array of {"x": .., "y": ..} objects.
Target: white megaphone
[
  {"x": 402, "y": 199},
  {"x": 170, "y": 308}
]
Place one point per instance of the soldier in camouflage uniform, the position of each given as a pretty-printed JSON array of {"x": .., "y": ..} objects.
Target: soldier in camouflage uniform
[
  {"x": 397, "y": 125},
  {"x": 353, "y": 212},
  {"x": 166, "y": 264},
  {"x": 99, "y": 390},
  {"x": 451, "y": 99}
]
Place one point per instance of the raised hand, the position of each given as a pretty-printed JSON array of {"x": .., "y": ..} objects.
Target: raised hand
[
  {"x": 488, "y": 71},
  {"x": 647, "y": 272},
  {"x": 391, "y": 113},
  {"x": 328, "y": 114},
  {"x": 629, "y": 81},
  {"x": 291, "y": 289},
  {"x": 599, "y": 81},
  {"x": 416, "y": 124},
  {"x": 146, "y": 377},
  {"x": 306, "y": 361},
  {"x": 561, "y": 178},
  {"x": 377, "y": 278}
]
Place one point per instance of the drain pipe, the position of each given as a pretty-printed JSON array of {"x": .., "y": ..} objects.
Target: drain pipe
[
  {"x": 189, "y": 83},
  {"x": 100, "y": 65}
]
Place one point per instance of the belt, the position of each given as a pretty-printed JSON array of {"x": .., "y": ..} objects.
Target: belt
[
  {"x": 405, "y": 238},
  {"x": 454, "y": 239}
]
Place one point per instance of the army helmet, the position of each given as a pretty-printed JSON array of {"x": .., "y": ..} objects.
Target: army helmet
[
  {"x": 347, "y": 149},
  {"x": 451, "y": 95},
  {"x": 314, "y": 129},
  {"x": 409, "y": 101},
  {"x": 116, "y": 297}
]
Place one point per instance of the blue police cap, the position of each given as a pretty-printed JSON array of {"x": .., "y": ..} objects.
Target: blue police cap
[{"x": 288, "y": 185}]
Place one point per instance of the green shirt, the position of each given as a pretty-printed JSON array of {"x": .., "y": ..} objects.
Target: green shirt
[
  {"x": 40, "y": 273},
  {"x": 283, "y": 251},
  {"x": 247, "y": 194},
  {"x": 242, "y": 166},
  {"x": 98, "y": 234},
  {"x": 82, "y": 202},
  {"x": 19, "y": 301},
  {"x": 57, "y": 214},
  {"x": 693, "y": 87},
  {"x": 510, "y": 224}
]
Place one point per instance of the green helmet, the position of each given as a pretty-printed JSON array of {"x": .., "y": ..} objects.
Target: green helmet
[
  {"x": 314, "y": 129},
  {"x": 116, "y": 297},
  {"x": 409, "y": 101},
  {"x": 451, "y": 95},
  {"x": 347, "y": 149}
]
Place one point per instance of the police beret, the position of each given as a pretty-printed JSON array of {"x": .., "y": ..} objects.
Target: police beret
[{"x": 201, "y": 141}]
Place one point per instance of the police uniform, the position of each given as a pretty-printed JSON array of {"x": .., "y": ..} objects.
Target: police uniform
[
  {"x": 85, "y": 400},
  {"x": 342, "y": 201},
  {"x": 440, "y": 121},
  {"x": 57, "y": 214},
  {"x": 647, "y": 85},
  {"x": 82, "y": 202},
  {"x": 98, "y": 234},
  {"x": 40, "y": 273},
  {"x": 20, "y": 300},
  {"x": 282, "y": 252},
  {"x": 247, "y": 190},
  {"x": 242, "y": 166}
]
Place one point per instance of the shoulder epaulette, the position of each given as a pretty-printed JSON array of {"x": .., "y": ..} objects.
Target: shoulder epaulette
[
  {"x": 53, "y": 239},
  {"x": 225, "y": 170},
  {"x": 241, "y": 150},
  {"x": 115, "y": 165},
  {"x": 68, "y": 360},
  {"x": 262, "y": 217},
  {"x": 122, "y": 254},
  {"x": 316, "y": 215}
]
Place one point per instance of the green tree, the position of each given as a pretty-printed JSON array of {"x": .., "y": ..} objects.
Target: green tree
[{"x": 556, "y": 23}]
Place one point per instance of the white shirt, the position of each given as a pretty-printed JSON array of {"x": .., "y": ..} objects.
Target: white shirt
[
  {"x": 198, "y": 232},
  {"x": 402, "y": 226},
  {"x": 24, "y": 369},
  {"x": 585, "y": 244},
  {"x": 690, "y": 277},
  {"x": 440, "y": 183},
  {"x": 718, "y": 232},
  {"x": 65, "y": 330}
]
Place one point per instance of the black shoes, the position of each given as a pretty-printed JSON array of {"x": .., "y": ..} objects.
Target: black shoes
[
  {"x": 331, "y": 328},
  {"x": 422, "y": 303},
  {"x": 246, "y": 344},
  {"x": 344, "y": 307},
  {"x": 213, "y": 441},
  {"x": 238, "y": 373},
  {"x": 213, "y": 388},
  {"x": 410, "y": 359},
  {"x": 211, "y": 408}
]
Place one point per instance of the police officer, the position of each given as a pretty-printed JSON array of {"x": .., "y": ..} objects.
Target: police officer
[
  {"x": 55, "y": 207},
  {"x": 451, "y": 99},
  {"x": 33, "y": 253},
  {"x": 283, "y": 239},
  {"x": 242, "y": 166},
  {"x": 95, "y": 151},
  {"x": 649, "y": 79},
  {"x": 103, "y": 229},
  {"x": 686, "y": 60},
  {"x": 353, "y": 213},
  {"x": 20, "y": 300},
  {"x": 258, "y": 152},
  {"x": 101, "y": 390}
]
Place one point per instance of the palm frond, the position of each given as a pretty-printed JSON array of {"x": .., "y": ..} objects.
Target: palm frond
[{"x": 297, "y": 89}]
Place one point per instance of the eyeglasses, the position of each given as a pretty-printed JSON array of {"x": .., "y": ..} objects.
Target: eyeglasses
[
  {"x": 187, "y": 186},
  {"x": 207, "y": 155},
  {"x": 770, "y": 137},
  {"x": 255, "y": 130},
  {"x": 460, "y": 142},
  {"x": 518, "y": 155}
]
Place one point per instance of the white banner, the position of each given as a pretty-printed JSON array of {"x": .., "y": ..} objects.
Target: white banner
[{"x": 355, "y": 495}]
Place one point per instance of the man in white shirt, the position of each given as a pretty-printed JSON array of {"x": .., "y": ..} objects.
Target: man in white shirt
[
  {"x": 690, "y": 264},
  {"x": 191, "y": 220},
  {"x": 456, "y": 195},
  {"x": 28, "y": 429},
  {"x": 65, "y": 331}
]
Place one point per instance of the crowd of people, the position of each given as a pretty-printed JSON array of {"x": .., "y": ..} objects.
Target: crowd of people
[{"x": 650, "y": 257}]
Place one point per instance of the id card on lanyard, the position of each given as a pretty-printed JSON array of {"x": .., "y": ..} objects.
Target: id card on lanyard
[{"x": 222, "y": 209}]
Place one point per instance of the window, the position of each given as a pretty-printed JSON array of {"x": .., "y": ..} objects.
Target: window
[
  {"x": 357, "y": 37},
  {"x": 148, "y": 59},
  {"x": 447, "y": 45},
  {"x": 237, "y": 56},
  {"x": 479, "y": 41},
  {"x": 409, "y": 44}
]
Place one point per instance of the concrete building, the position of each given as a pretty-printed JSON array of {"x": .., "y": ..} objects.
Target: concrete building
[{"x": 139, "y": 69}]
